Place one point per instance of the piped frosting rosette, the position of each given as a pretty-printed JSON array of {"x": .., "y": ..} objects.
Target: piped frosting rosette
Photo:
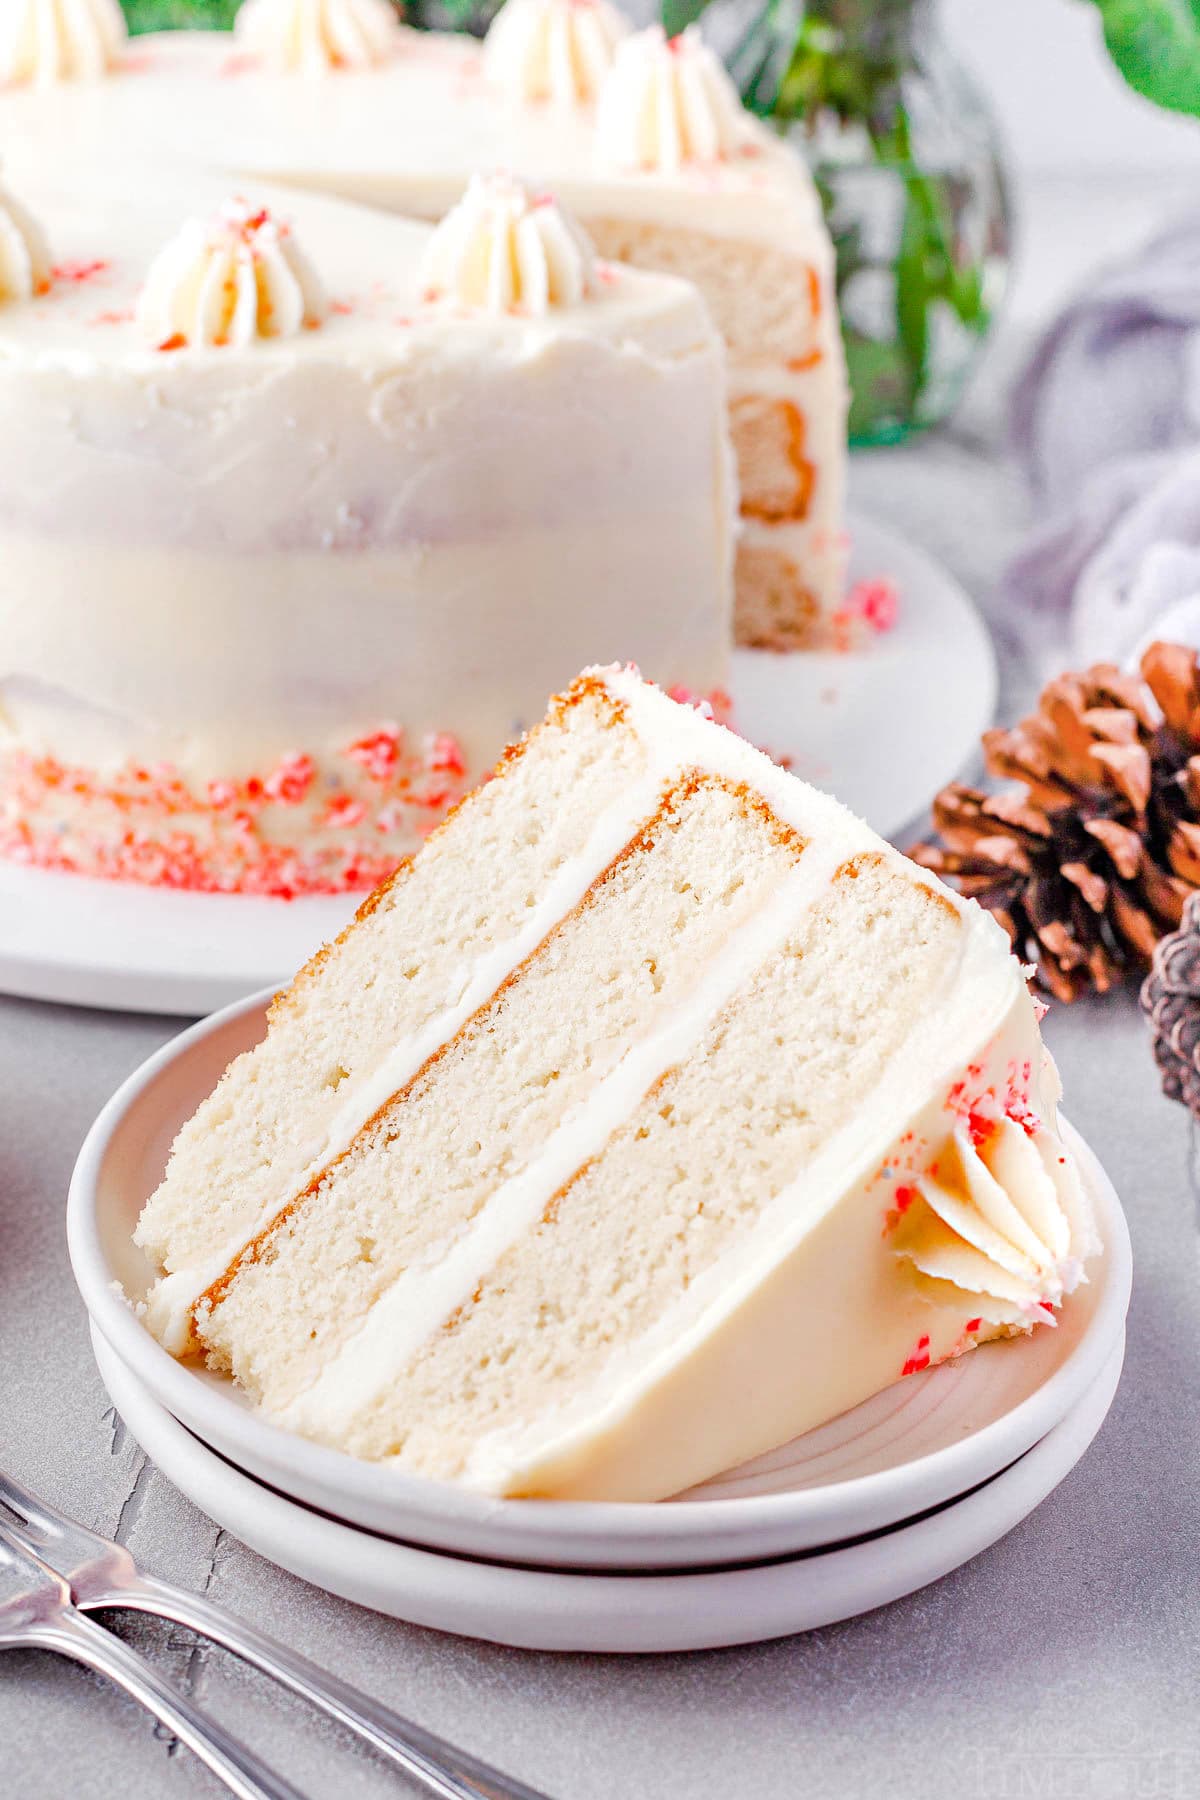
[
  {"x": 24, "y": 254},
  {"x": 47, "y": 41},
  {"x": 998, "y": 1224},
  {"x": 315, "y": 36},
  {"x": 667, "y": 102},
  {"x": 553, "y": 50},
  {"x": 503, "y": 250},
  {"x": 228, "y": 281}
]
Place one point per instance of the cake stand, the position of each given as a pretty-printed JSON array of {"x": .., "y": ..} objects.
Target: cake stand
[{"x": 883, "y": 727}]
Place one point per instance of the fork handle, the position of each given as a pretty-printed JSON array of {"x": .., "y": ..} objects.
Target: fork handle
[
  {"x": 78, "y": 1637},
  {"x": 429, "y": 1760}
]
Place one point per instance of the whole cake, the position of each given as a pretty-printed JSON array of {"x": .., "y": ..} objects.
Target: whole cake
[
  {"x": 643, "y": 138},
  {"x": 713, "y": 1118},
  {"x": 304, "y": 509}
]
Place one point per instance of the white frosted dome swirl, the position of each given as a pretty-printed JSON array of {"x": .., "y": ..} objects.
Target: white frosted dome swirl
[
  {"x": 44, "y": 41},
  {"x": 1000, "y": 1225},
  {"x": 667, "y": 102},
  {"x": 556, "y": 50},
  {"x": 313, "y": 36},
  {"x": 501, "y": 250},
  {"x": 24, "y": 256},
  {"x": 231, "y": 280}
]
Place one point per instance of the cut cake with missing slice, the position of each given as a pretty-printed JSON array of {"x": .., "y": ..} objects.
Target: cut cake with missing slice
[{"x": 655, "y": 1112}]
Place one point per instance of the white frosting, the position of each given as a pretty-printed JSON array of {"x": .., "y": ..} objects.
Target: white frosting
[
  {"x": 237, "y": 278},
  {"x": 24, "y": 254},
  {"x": 314, "y": 36},
  {"x": 45, "y": 41},
  {"x": 556, "y": 50},
  {"x": 499, "y": 250},
  {"x": 367, "y": 470},
  {"x": 667, "y": 102},
  {"x": 1005, "y": 1222}
]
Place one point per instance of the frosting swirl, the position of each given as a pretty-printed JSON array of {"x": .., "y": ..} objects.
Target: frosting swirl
[
  {"x": 24, "y": 256},
  {"x": 44, "y": 41},
  {"x": 236, "y": 278},
  {"x": 313, "y": 36},
  {"x": 501, "y": 250},
  {"x": 556, "y": 50},
  {"x": 999, "y": 1224},
  {"x": 667, "y": 102}
]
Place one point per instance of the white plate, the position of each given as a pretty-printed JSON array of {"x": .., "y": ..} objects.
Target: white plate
[
  {"x": 919, "y": 1443},
  {"x": 539, "y": 1609},
  {"x": 884, "y": 728}
]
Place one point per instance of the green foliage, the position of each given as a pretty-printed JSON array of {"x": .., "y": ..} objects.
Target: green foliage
[
  {"x": 677, "y": 15},
  {"x": 218, "y": 15},
  {"x": 1156, "y": 46},
  {"x": 179, "y": 15}
]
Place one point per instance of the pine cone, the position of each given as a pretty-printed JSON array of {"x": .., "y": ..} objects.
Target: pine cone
[
  {"x": 1089, "y": 862},
  {"x": 1171, "y": 1003}
]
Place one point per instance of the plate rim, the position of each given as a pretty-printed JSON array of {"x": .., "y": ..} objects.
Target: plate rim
[
  {"x": 639, "y": 1612},
  {"x": 456, "y": 1519}
]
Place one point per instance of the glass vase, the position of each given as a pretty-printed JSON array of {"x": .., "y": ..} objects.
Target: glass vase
[{"x": 905, "y": 155}]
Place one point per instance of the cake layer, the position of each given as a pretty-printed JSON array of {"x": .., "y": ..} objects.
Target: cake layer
[
  {"x": 291, "y": 590},
  {"x": 749, "y": 1119}
]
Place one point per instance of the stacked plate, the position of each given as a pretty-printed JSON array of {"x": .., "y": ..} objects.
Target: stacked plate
[{"x": 865, "y": 1509}]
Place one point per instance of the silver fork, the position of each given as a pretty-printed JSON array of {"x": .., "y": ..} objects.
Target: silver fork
[{"x": 53, "y": 1572}]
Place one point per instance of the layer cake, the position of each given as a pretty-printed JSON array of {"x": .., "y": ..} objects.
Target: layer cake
[
  {"x": 656, "y": 1112},
  {"x": 302, "y": 514},
  {"x": 642, "y": 138}
]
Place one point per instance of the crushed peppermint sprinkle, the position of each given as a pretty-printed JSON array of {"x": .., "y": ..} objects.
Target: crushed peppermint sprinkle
[
  {"x": 149, "y": 825},
  {"x": 875, "y": 601},
  {"x": 74, "y": 274},
  {"x": 443, "y": 752},
  {"x": 919, "y": 1359},
  {"x": 717, "y": 706},
  {"x": 870, "y": 609},
  {"x": 292, "y": 779},
  {"x": 378, "y": 753}
]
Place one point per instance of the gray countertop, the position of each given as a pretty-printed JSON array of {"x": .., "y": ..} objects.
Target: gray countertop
[{"x": 1062, "y": 1663}]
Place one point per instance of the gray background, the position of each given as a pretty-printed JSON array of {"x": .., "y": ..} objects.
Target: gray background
[{"x": 1061, "y": 1663}]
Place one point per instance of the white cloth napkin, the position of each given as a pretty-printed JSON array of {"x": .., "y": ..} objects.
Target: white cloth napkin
[{"x": 1106, "y": 419}]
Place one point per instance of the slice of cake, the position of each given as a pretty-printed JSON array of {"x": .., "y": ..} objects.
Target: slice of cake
[
  {"x": 306, "y": 510},
  {"x": 657, "y": 1111}
]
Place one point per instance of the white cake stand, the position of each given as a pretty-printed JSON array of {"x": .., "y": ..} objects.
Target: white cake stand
[{"x": 883, "y": 728}]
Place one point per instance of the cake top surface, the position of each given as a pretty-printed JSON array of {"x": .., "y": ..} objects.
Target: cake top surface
[
  {"x": 407, "y": 130},
  {"x": 339, "y": 282}
]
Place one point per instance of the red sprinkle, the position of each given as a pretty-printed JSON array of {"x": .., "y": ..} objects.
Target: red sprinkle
[
  {"x": 378, "y": 753},
  {"x": 291, "y": 781},
  {"x": 77, "y": 273}
]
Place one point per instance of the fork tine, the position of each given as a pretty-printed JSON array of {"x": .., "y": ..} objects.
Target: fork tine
[
  {"x": 22, "y": 1505},
  {"x": 39, "y": 1516}
]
